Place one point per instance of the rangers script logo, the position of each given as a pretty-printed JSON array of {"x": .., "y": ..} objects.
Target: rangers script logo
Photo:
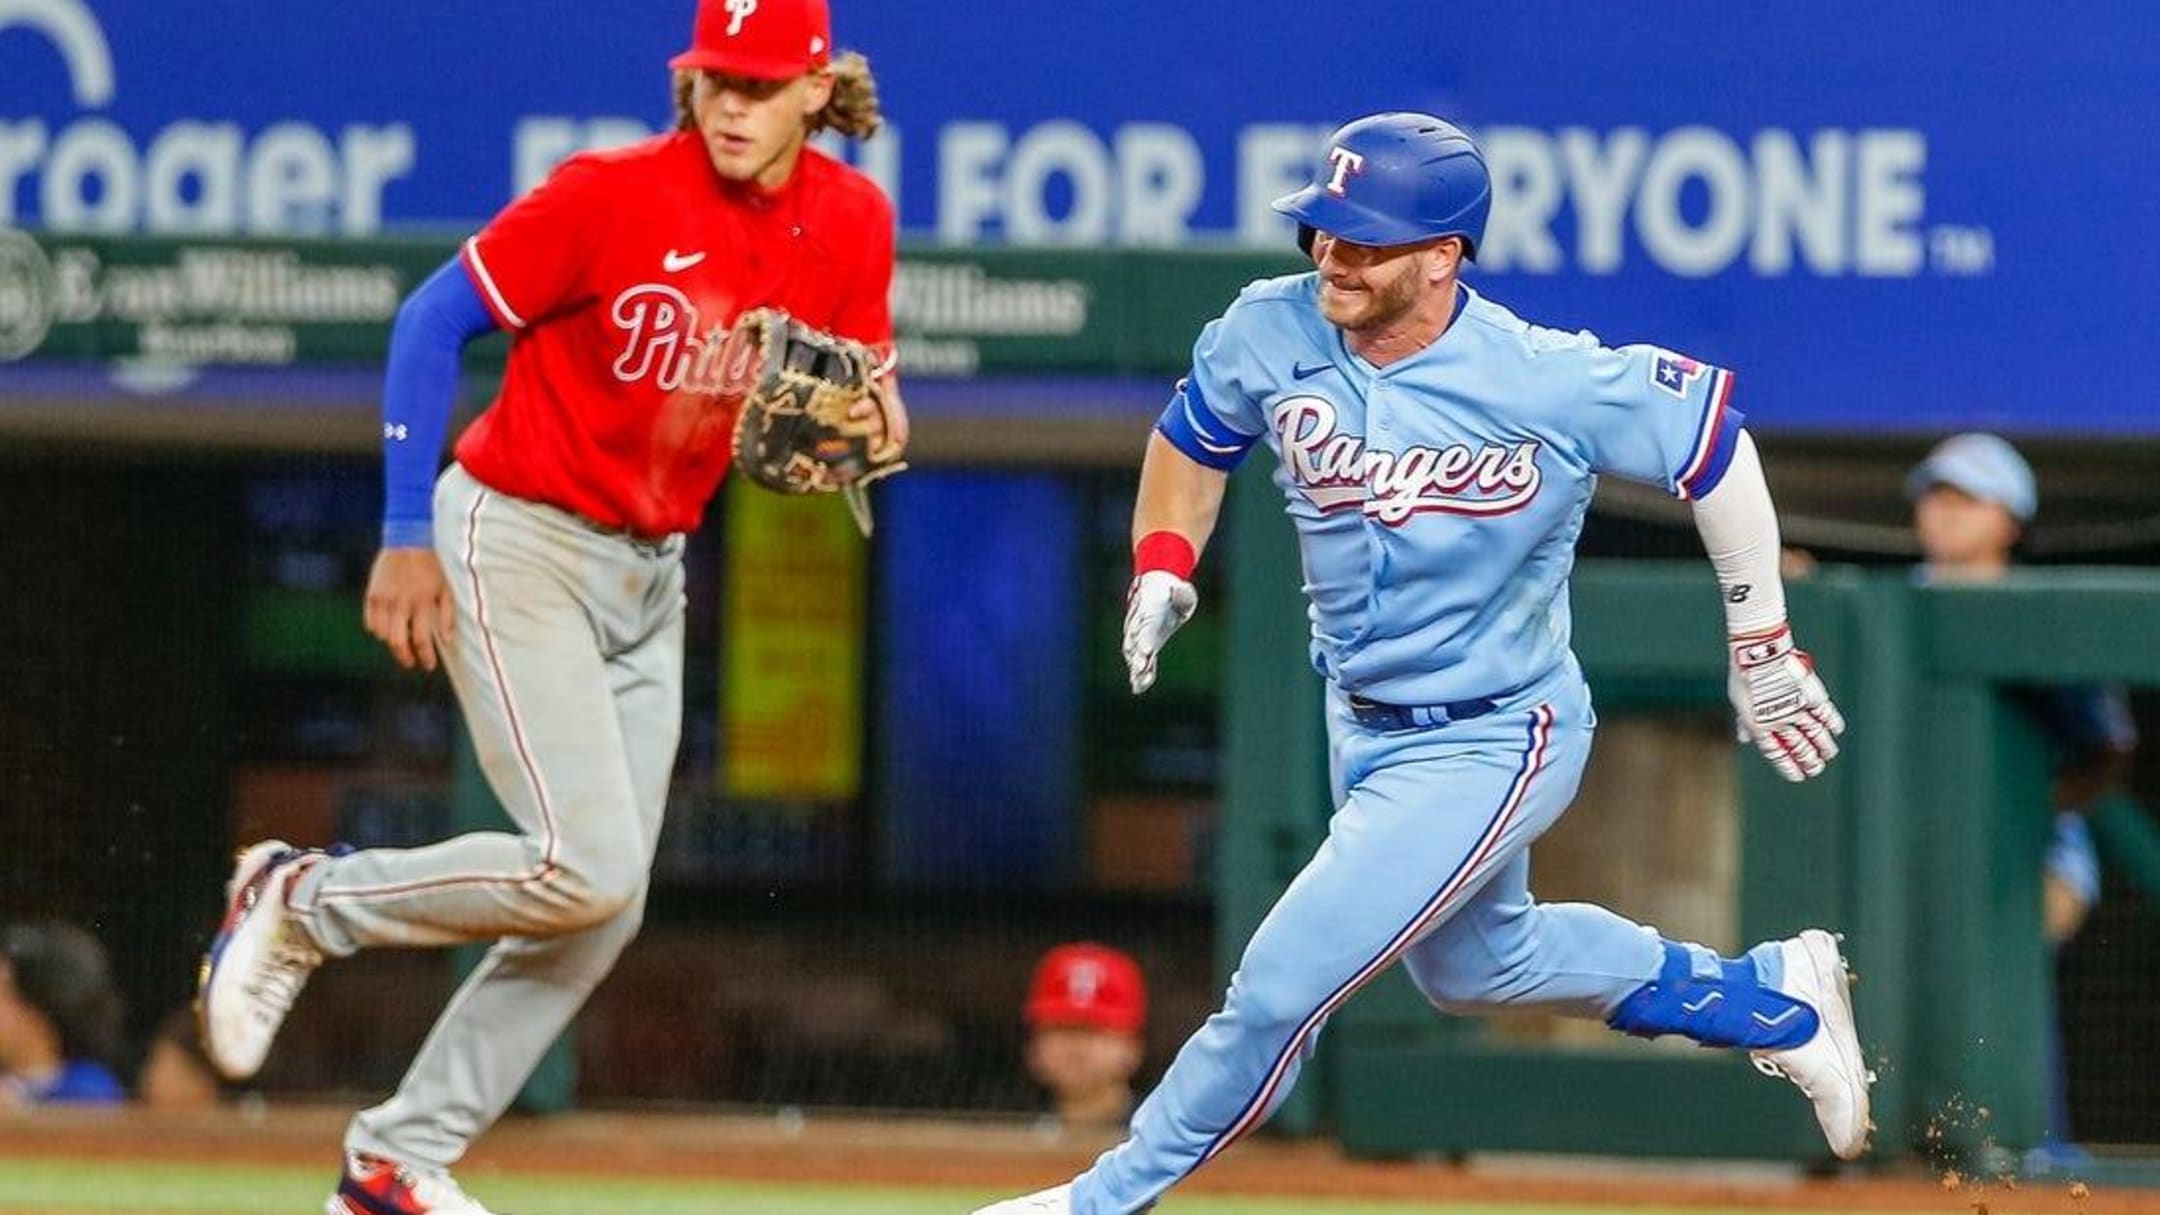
[{"x": 1336, "y": 472}]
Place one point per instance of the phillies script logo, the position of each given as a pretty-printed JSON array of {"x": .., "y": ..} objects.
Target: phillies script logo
[
  {"x": 1337, "y": 472},
  {"x": 661, "y": 342}
]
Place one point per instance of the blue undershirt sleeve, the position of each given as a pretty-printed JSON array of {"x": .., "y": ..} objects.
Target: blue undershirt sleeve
[{"x": 419, "y": 387}]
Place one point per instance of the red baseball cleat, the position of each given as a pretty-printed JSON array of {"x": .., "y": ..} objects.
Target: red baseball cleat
[{"x": 373, "y": 1185}]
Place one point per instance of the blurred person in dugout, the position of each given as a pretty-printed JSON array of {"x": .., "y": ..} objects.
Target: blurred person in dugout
[
  {"x": 176, "y": 1073},
  {"x": 1086, "y": 1010},
  {"x": 1973, "y": 496},
  {"x": 59, "y": 1017}
]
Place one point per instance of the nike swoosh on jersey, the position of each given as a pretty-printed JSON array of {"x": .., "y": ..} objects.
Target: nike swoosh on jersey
[
  {"x": 680, "y": 261},
  {"x": 1300, "y": 371}
]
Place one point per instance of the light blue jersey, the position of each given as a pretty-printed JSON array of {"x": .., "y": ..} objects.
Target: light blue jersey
[{"x": 1437, "y": 500}]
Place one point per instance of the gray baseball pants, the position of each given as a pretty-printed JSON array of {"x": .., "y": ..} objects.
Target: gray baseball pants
[{"x": 567, "y": 661}]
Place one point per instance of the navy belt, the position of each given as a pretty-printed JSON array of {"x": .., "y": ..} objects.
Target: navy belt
[{"x": 1374, "y": 715}]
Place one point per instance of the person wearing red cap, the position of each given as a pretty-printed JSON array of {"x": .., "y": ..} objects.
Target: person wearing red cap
[
  {"x": 1086, "y": 1010},
  {"x": 544, "y": 568}
]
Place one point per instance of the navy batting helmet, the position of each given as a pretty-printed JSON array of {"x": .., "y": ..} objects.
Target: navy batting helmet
[{"x": 1397, "y": 179}]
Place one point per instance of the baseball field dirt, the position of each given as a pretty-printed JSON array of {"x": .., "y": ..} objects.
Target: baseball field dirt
[{"x": 283, "y": 1158}]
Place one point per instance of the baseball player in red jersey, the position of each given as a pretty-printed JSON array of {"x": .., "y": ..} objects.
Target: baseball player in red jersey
[{"x": 543, "y": 570}]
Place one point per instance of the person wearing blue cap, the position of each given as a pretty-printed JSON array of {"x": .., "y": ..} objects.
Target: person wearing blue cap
[{"x": 1973, "y": 496}]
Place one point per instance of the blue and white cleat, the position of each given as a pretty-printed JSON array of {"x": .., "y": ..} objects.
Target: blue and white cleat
[
  {"x": 1828, "y": 1066},
  {"x": 1054, "y": 1201},
  {"x": 257, "y": 964}
]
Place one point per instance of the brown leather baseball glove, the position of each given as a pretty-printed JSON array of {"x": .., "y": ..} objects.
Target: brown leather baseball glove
[{"x": 799, "y": 385}]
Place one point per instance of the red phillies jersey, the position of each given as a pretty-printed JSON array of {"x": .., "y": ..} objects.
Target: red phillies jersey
[{"x": 617, "y": 278}]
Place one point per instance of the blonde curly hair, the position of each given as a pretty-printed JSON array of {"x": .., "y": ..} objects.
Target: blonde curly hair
[{"x": 853, "y": 110}]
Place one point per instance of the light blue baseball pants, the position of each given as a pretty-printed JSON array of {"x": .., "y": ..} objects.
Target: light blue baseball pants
[{"x": 1426, "y": 862}]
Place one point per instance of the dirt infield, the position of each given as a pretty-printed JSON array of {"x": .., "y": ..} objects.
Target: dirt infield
[{"x": 857, "y": 1150}]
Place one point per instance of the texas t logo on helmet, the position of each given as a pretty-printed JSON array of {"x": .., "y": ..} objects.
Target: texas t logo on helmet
[{"x": 1346, "y": 162}]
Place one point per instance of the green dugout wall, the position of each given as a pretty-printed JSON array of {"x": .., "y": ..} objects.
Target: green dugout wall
[{"x": 1922, "y": 843}]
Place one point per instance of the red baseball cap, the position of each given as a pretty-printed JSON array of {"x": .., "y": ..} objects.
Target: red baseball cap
[
  {"x": 1088, "y": 985},
  {"x": 763, "y": 39}
]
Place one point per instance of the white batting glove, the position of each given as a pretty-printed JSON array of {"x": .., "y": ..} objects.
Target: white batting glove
[
  {"x": 1781, "y": 704},
  {"x": 1156, "y": 605}
]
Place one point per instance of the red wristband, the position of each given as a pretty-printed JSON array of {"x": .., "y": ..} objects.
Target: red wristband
[{"x": 1165, "y": 551}]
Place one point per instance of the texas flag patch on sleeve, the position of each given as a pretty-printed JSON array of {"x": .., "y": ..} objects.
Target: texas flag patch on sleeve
[{"x": 1675, "y": 373}]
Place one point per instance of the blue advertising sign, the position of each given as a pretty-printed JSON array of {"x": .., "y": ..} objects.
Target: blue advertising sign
[{"x": 1879, "y": 213}]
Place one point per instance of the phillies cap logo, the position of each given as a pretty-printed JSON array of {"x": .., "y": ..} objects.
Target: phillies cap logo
[
  {"x": 1346, "y": 162},
  {"x": 738, "y": 12}
]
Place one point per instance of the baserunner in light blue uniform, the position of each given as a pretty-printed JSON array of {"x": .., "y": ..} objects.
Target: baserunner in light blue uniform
[{"x": 1437, "y": 455}]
